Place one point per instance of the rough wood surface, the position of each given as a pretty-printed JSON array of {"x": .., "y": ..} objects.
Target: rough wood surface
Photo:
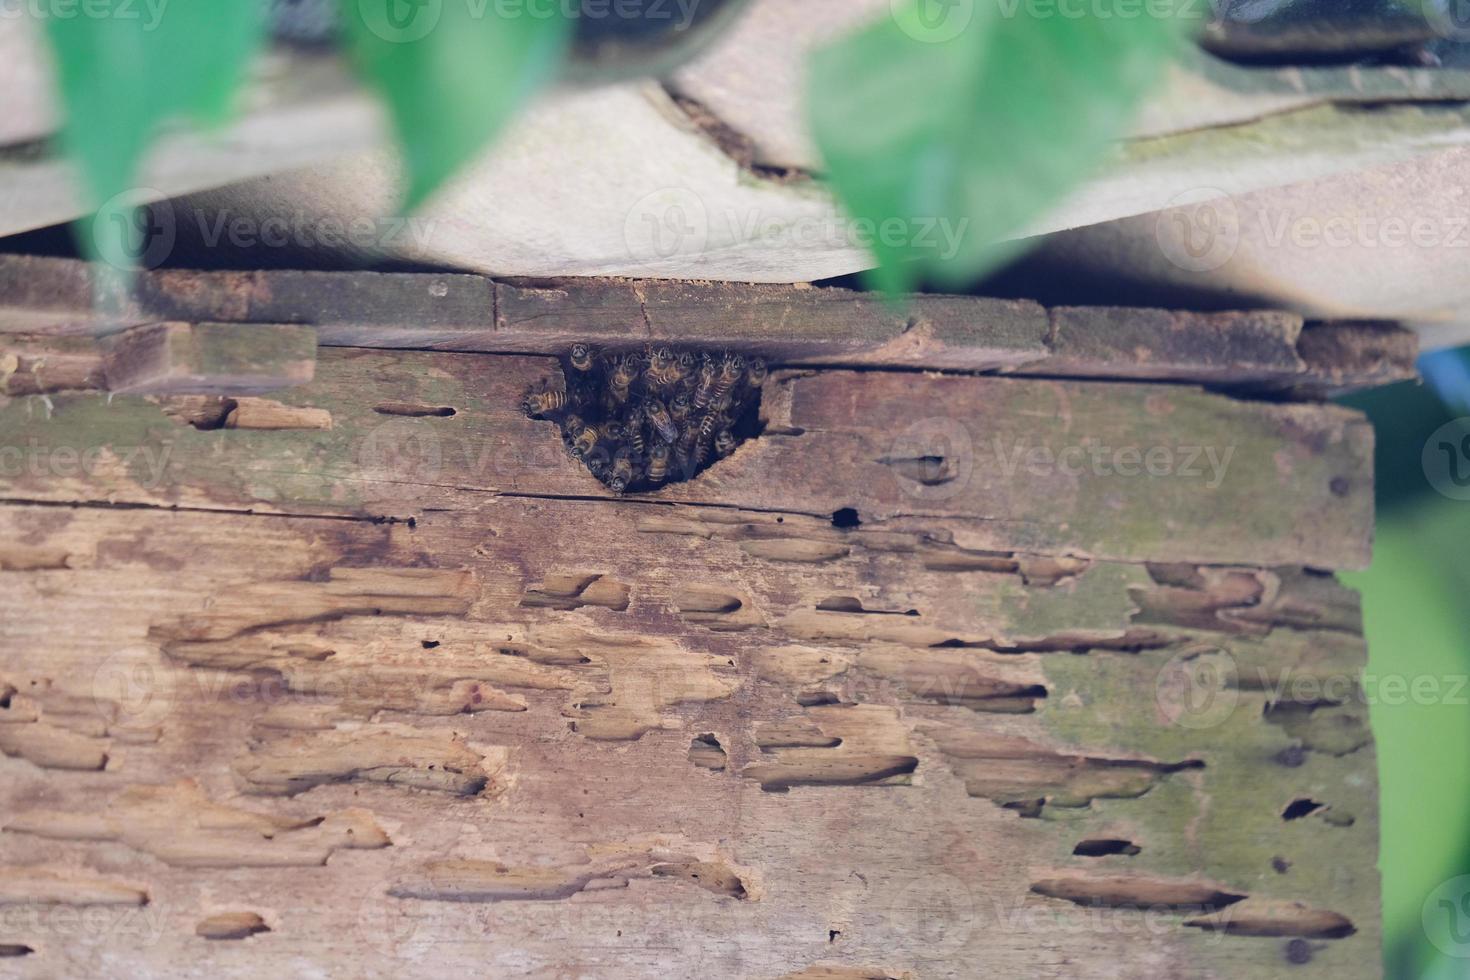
[
  {"x": 791, "y": 324},
  {"x": 209, "y": 358},
  {"x": 1136, "y": 472},
  {"x": 366, "y": 678}
]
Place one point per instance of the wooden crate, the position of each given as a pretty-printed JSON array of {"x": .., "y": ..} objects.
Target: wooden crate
[{"x": 1036, "y": 672}]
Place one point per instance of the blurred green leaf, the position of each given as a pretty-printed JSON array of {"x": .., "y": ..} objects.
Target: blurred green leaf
[
  {"x": 1416, "y": 626},
  {"x": 452, "y": 72},
  {"x": 979, "y": 114},
  {"x": 125, "y": 69}
]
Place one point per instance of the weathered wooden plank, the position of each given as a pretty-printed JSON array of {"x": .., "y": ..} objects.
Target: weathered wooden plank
[
  {"x": 790, "y": 324},
  {"x": 209, "y": 358},
  {"x": 1133, "y": 472},
  {"x": 1032, "y": 767}
]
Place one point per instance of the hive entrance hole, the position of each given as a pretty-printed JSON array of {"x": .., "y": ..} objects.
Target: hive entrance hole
[{"x": 641, "y": 419}]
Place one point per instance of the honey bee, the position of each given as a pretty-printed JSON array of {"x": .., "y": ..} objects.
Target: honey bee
[
  {"x": 710, "y": 424},
  {"x": 683, "y": 462},
  {"x": 652, "y": 417},
  {"x": 756, "y": 372},
  {"x": 662, "y": 370},
  {"x": 598, "y": 466},
  {"x": 621, "y": 380},
  {"x": 658, "y": 463},
  {"x": 586, "y": 440},
  {"x": 634, "y": 430},
  {"x": 724, "y": 443},
  {"x": 704, "y": 390},
  {"x": 662, "y": 421},
  {"x": 731, "y": 370},
  {"x": 582, "y": 358},
  {"x": 680, "y": 407},
  {"x": 543, "y": 403},
  {"x": 621, "y": 473}
]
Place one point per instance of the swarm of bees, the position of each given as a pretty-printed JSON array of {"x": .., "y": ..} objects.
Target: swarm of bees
[{"x": 642, "y": 419}]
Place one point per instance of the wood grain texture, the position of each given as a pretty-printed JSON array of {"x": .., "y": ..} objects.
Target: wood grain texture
[
  {"x": 366, "y": 677},
  {"x": 1265, "y": 350},
  {"x": 913, "y": 753},
  {"x": 1087, "y": 469}
]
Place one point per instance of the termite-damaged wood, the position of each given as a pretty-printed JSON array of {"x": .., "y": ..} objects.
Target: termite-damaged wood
[
  {"x": 923, "y": 763},
  {"x": 1263, "y": 350},
  {"x": 936, "y": 675}
]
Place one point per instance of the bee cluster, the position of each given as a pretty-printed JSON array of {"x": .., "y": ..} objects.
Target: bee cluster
[{"x": 639, "y": 420}]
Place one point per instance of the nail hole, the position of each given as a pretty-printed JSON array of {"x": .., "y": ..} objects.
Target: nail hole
[
  {"x": 1104, "y": 846},
  {"x": 1297, "y": 809}
]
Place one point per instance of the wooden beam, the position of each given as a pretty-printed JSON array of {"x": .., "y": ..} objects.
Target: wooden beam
[
  {"x": 1125, "y": 471},
  {"x": 795, "y": 325},
  {"x": 208, "y": 358}
]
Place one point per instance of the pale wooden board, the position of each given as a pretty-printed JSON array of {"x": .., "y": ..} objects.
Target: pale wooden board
[
  {"x": 373, "y": 633},
  {"x": 1053, "y": 467}
]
